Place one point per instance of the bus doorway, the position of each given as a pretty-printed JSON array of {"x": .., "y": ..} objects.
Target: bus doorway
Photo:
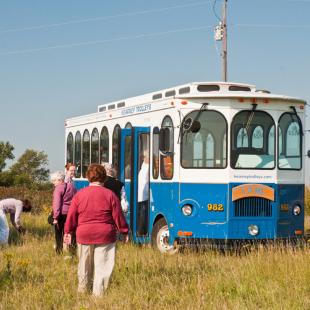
[{"x": 135, "y": 173}]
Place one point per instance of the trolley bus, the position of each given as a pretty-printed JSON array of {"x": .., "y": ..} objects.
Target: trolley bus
[{"x": 225, "y": 162}]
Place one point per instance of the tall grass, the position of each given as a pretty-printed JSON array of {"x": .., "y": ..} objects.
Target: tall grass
[{"x": 32, "y": 276}]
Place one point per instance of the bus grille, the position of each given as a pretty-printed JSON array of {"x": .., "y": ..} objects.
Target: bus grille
[{"x": 253, "y": 207}]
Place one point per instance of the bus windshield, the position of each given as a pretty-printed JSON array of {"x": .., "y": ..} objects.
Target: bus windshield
[
  {"x": 204, "y": 147},
  {"x": 252, "y": 140}
]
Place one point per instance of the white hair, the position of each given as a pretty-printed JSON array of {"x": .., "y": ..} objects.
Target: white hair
[
  {"x": 109, "y": 169},
  {"x": 57, "y": 176}
]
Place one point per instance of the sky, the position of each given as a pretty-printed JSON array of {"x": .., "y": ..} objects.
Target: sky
[{"x": 60, "y": 59}]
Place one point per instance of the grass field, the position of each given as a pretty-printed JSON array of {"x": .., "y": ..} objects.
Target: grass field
[{"x": 33, "y": 277}]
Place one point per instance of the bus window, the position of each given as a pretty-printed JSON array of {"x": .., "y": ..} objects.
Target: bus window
[
  {"x": 128, "y": 154},
  {"x": 249, "y": 143},
  {"x": 271, "y": 141},
  {"x": 77, "y": 156},
  {"x": 280, "y": 141},
  {"x": 70, "y": 149},
  {"x": 290, "y": 157},
  {"x": 85, "y": 152},
  {"x": 210, "y": 151},
  {"x": 258, "y": 137},
  {"x": 242, "y": 138},
  {"x": 128, "y": 157},
  {"x": 205, "y": 148},
  {"x": 155, "y": 153},
  {"x": 128, "y": 125},
  {"x": 166, "y": 160},
  {"x": 94, "y": 146},
  {"x": 104, "y": 145},
  {"x": 116, "y": 148}
]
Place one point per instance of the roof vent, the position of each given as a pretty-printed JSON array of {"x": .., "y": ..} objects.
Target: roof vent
[
  {"x": 264, "y": 91},
  {"x": 239, "y": 88},
  {"x": 121, "y": 104},
  {"x": 207, "y": 88},
  {"x": 170, "y": 93},
  {"x": 157, "y": 96}
]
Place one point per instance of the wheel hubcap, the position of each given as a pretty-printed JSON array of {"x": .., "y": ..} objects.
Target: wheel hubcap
[{"x": 163, "y": 240}]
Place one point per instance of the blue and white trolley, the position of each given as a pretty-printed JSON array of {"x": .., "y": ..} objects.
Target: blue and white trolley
[{"x": 226, "y": 162}]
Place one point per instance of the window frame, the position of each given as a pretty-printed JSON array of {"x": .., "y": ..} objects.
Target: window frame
[
  {"x": 83, "y": 141},
  {"x": 250, "y": 133},
  {"x": 215, "y": 143},
  {"x": 78, "y": 173},
  {"x": 116, "y": 163},
  {"x": 104, "y": 128},
  {"x": 91, "y": 146},
  {"x": 170, "y": 153},
  {"x": 73, "y": 148},
  {"x": 284, "y": 140},
  {"x": 155, "y": 132}
]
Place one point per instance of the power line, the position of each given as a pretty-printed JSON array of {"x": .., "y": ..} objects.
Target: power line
[
  {"x": 84, "y": 43},
  {"x": 271, "y": 26},
  {"x": 214, "y": 12},
  {"x": 26, "y": 51},
  {"x": 101, "y": 18}
]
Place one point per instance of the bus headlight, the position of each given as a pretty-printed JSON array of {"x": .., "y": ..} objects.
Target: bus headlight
[
  {"x": 253, "y": 230},
  {"x": 296, "y": 210},
  {"x": 187, "y": 210}
]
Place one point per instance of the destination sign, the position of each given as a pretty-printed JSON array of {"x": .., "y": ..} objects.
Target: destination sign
[
  {"x": 137, "y": 109},
  {"x": 252, "y": 190}
]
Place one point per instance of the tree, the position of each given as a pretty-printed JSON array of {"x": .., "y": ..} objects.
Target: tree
[
  {"x": 30, "y": 169},
  {"x": 6, "y": 152}
]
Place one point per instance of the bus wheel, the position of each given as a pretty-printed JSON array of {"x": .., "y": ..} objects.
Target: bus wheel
[{"x": 160, "y": 238}]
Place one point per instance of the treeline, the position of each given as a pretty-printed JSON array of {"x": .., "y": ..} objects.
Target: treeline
[{"x": 30, "y": 170}]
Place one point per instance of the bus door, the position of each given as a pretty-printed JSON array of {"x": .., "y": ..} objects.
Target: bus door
[
  {"x": 136, "y": 168},
  {"x": 125, "y": 164}
]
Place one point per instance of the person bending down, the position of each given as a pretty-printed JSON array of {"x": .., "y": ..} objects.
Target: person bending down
[{"x": 14, "y": 207}]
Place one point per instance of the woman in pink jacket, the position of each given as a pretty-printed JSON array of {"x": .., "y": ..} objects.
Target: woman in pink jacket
[
  {"x": 96, "y": 216},
  {"x": 62, "y": 196}
]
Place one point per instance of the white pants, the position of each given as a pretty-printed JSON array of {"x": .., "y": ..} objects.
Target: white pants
[
  {"x": 4, "y": 228},
  {"x": 95, "y": 261}
]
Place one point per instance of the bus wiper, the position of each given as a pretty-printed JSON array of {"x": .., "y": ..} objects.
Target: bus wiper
[
  {"x": 192, "y": 124},
  {"x": 298, "y": 119},
  {"x": 249, "y": 120}
]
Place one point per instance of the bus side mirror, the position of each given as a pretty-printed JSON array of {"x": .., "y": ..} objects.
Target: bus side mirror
[
  {"x": 195, "y": 127},
  {"x": 308, "y": 153},
  {"x": 164, "y": 140},
  {"x": 191, "y": 125}
]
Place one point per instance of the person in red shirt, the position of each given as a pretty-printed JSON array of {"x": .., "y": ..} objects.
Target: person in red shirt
[{"x": 96, "y": 216}]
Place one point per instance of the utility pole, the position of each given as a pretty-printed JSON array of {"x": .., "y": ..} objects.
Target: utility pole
[
  {"x": 220, "y": 34},
  {"x": 224, "y": 42}
]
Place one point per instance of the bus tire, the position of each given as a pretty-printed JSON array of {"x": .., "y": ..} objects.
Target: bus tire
[{"x": 160, "y": 238}]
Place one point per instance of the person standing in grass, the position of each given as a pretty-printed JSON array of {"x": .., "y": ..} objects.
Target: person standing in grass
[
  {"x": 96, "y": 216},
  {"x": 115, "y": 185},
  {"x": 62, "y": 196},
  {"x": 14, "y": 207},
  {"x": 70, "y": 172}
]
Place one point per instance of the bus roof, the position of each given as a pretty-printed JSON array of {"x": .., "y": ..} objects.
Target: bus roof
[
  {"x": 200, "y": 90},
  {"x": 186, "y": 91}
]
